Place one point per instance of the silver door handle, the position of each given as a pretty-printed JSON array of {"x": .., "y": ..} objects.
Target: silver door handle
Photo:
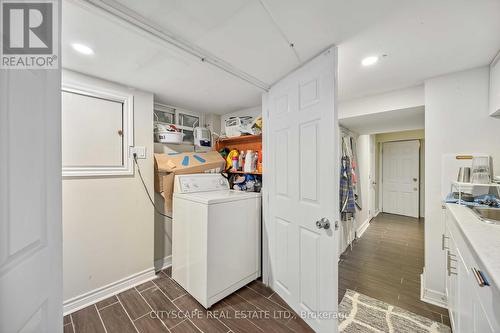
[
  {"x": 443, "y": 247},
  {"x": 323, "y": 223},
  {"x": 448, "y": 264}
]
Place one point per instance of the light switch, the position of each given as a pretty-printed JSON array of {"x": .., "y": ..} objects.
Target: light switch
[{"x": 140, "y": 151}]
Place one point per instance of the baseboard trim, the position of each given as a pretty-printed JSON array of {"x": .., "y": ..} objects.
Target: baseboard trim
[
  {"x": 362, "y": 228},
  {"x": 432, "y": 296},
  {"x": 163, "y": 263},
  {"x": 96, "y": 295}
]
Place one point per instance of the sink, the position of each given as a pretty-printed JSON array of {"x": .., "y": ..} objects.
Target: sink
[{"x": 488, "y": 215}]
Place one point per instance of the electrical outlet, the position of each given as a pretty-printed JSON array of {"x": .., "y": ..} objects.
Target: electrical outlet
[{"x": 140, "y": 151}]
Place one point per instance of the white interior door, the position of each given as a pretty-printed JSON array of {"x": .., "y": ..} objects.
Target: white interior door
[
  {"x": 30, "y": 201},
  {"x": 400, "y": 177},
  {"x": 302, "y": 184}
]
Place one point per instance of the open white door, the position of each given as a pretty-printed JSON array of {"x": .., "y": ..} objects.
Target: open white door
[
  {"x": 400, "y": 180},
  {"x": 302, "y": 186},
  {"x": 30, "y": 201}
]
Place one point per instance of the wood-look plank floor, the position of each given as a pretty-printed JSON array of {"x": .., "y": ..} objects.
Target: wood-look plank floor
[
  {"x": 386, "y": 263},
  {"x": 163, "y": 306}
]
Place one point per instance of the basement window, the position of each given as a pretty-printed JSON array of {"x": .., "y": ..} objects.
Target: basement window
[{"x": 184, "y": 120}]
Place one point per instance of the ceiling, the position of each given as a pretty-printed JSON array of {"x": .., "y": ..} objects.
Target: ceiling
[
  {"x": 388, "y": 121},
  {"x": 422, "y": 39}
]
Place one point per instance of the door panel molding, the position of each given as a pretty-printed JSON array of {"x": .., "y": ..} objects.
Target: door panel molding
[{"x": 299, "y": 258}]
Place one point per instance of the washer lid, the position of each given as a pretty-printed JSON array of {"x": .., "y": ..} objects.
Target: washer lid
[{"x": 213, "y": 197}]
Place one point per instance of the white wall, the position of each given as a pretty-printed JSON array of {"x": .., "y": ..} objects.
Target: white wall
[
  {"x": 253, "y": 112},
  {"x": 456, "y": 121},
  {"x": 363, "y": 215},
  {"x": 395, "y": 100},
  {"x": 108, "y": 221}
]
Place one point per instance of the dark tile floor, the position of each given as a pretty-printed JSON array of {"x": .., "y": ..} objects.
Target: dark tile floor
[
  {"x": 386, "y": 263},
  {"x": 133, "y": 310}
]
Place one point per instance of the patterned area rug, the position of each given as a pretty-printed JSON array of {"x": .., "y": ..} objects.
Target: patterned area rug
[{"x": 365, "y": 314}]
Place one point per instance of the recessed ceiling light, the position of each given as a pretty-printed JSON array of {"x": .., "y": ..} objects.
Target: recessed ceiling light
[
  {"x": 368, "y": 61},
  {"x": 83, "y": 49}
]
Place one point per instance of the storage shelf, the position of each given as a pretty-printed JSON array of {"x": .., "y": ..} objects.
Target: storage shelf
[
  {"x": 246, "y": 173},
  {"x": 241, "y": 139},
  {"x": 246, "y": 142},
  {"x": 475, "y": 185}
]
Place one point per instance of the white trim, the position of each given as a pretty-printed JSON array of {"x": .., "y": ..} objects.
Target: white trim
[
  {"x": 362, "y": 228},
  {"x": 96, "y": 295},
  {"x": 380, "y": 177},
  {"x": 266, "y": 232},
  {"x": 127, "y": 99},
  {"x": 431, "y": 296},
  {"x": 163, "y": 263}
]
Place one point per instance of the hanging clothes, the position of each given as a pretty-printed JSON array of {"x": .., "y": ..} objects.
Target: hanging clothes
[
  {"x": 356, "y": 188},
  {"x": 347, "y": 203}
]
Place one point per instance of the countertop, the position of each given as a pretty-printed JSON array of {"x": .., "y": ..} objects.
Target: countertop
[{"x": 483, "y": 239}]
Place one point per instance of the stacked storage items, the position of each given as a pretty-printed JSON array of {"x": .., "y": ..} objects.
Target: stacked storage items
[{"x": 171, "y": 164}]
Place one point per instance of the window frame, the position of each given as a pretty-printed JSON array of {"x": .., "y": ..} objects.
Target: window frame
[
  {"x": 127, "y": 99},
  {"x": 165, "y": 109},
  {"x": 177, "y": 112}
]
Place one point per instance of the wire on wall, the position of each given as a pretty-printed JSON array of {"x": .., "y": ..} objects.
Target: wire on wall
[{"x": 146, "y": 189}]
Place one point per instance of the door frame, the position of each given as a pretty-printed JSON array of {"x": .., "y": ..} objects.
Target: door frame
[
  {"x": 381, "y": 173},
  {"x": 266, "y": 258}
]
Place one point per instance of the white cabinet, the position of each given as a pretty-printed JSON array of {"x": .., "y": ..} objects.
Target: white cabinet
[
  {"x": 481, "y": 322},
  {"x": 495, "y": 86},
  {"x": 458, "y": 288},
  {"x": 472, "y": 308}
]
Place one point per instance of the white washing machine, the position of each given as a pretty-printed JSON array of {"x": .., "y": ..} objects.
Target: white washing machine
[{"x": 215, "y": 237}]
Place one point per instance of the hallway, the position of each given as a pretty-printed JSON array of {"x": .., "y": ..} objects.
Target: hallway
[{"x": 386, "y": 263}]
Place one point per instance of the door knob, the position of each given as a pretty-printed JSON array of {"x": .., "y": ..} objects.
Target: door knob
[
  {"x": 323, "y": 223},
  {"x": 415, "y": 179}
]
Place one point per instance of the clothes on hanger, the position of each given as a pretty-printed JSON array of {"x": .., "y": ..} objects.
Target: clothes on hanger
[
  {"x": 349, "y": 149},
  {"x": 347, "y": 203}
]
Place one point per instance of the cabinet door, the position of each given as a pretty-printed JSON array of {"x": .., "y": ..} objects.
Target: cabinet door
[
  {"x": 452, "y": 285},
  {"x": 465, "y": 293},
  {"x": 481, "y": 322}
]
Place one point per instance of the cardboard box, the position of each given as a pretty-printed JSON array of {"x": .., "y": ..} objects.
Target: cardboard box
[{"x": 169, "y": 165}]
